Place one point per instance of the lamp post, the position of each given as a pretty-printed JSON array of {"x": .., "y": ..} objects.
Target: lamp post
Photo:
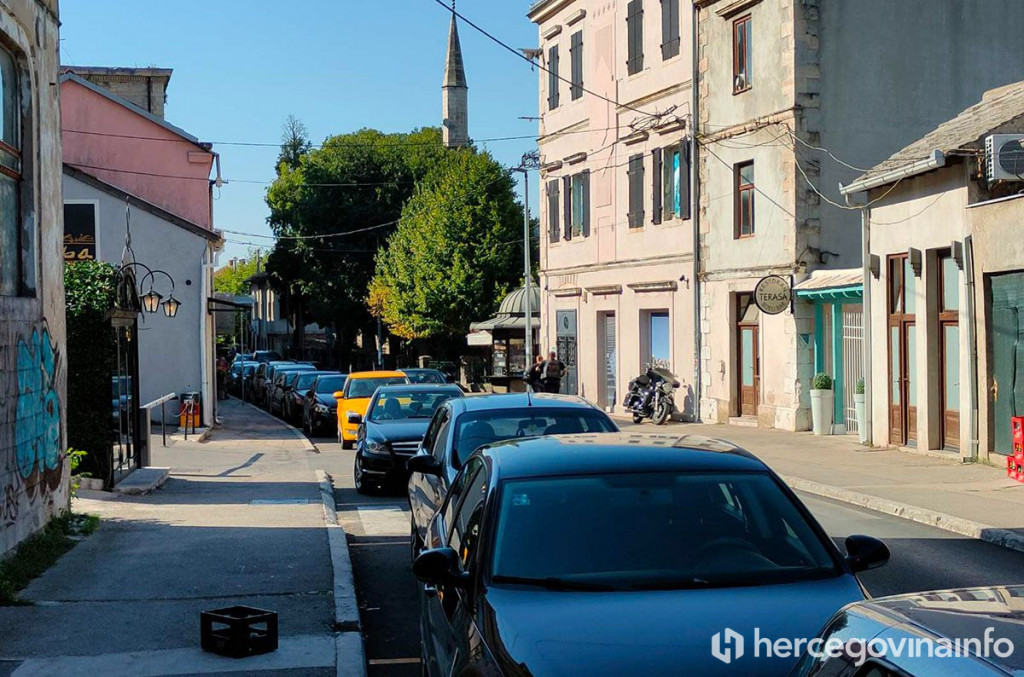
[{"x": 531, "y": 161}]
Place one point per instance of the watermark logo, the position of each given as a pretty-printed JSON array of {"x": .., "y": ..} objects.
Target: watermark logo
[{"x": 727, "y": 645}]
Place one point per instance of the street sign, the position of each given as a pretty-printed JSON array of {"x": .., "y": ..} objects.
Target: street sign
[{"x": 773, "y": 295}]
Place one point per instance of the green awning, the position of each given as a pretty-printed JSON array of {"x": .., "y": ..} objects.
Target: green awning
[{"x": 853, "y": 291}]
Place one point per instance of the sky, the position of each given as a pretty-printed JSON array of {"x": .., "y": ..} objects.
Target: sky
[{"x": 242, "y": 66}]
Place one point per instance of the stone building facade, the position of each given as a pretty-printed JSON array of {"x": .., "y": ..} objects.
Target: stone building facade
[
  {"x": 144, "y": 87},
  {"x": 33, "y": 376},
  {"x": 796, "y": 97}
]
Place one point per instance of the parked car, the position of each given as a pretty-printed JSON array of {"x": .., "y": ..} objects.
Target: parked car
[
  {"x": 296, "y": 389},
  {"x": 264, "y": 391},
  {"x": 970, "y": 616},
  {"x": 259, "y": 379},
  {"x": 320, "y": 408},
  {"x": 424, "y": 375},
  {"x": 355, "y": 398},
  {"x": 247, "y": 383},
  {"x": 267, "y": 356},
  {"x": 621, "y": 554},
  {"x": 393, "y": 430},
  {"x": 242, "y": 357},
  {"x": 279, "y": 386},
  {"x": 462, "y": 425},
  {"x": 237, "y": 372}
]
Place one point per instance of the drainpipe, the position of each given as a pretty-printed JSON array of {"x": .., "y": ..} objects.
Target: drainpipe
[
  {"x": 695, "y": 209},
  {"x": 972, "y": 341},
  {"x": 865, "y": 258}
]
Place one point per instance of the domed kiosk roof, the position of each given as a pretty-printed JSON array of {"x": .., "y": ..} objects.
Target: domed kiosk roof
[{"x": 512, "y": 312}]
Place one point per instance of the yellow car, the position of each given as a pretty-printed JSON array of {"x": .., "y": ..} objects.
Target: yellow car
[{"x": 355, "y": 398}]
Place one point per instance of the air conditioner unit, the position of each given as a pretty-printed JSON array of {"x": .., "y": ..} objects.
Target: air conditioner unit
[{"x": 1004, "y": 157}]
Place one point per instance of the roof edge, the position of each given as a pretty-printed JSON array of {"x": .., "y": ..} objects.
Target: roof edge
[{"x": 936, "y": 160}]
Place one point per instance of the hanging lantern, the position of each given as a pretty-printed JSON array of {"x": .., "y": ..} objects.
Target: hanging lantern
[
  {"x": 151, "y": 301},
  {"x": 171, "y": 306}
]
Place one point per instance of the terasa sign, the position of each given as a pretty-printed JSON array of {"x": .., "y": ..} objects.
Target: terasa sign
[{"x": 773, "y": 295}]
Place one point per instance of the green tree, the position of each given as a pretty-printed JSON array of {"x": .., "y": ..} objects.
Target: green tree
[
  {"x": 294, "y": 143},
  {"x": 231, "y": 280},
  {"x": 351, "y": 190},
  {"x": 456, "y": 253}
]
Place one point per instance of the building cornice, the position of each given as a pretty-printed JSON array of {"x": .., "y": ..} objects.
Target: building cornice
[
  {"x": 647, "y": 287},
  {"x": 655, "y": 96},
  {"x": 542, "y": 10},
  {"x": 615, "y": 265},
  {"x": 733, "y": 8}
]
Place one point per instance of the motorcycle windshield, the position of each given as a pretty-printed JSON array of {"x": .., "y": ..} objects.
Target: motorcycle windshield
[{"x": 664, "y": 374}]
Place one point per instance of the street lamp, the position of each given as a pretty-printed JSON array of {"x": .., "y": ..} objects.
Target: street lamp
[
  {"x": 171, "y": 306},
  {"x": 531, "y": 161},
  {"x": 151, "y": 301},
  {"x": 128, "y": 296}
]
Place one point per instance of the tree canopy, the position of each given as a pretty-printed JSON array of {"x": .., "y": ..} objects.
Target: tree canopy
[
  {"x": 456, "y": 253},
  {"x": 231, "y": 279}
]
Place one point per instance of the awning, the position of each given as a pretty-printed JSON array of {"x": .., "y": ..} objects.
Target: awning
[
  {"x": 507, "y": 322},
  {"x": 831, "y": 285},
  {"x": 480, "y": 338}
]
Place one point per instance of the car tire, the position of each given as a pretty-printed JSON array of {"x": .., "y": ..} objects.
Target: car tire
[
  {"x": 638, "y": 419},
  {"x": 347, "y": 445},
  {"x": 362, "y": 486},
  {"x": 662, "y": 412}
]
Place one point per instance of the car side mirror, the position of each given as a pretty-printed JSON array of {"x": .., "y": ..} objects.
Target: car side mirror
[
  {"x": 423, "y": 463},
  {"x": 353, "y": 418},
  {"x": 338, "y": 395},
  {"x": 440, "y": 567},
  {"x": 865, "y": 552}
]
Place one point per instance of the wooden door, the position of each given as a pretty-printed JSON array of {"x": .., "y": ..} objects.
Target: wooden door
[
  {"x": 902, "y": 382},
  {"x": 749, "y": 364}
]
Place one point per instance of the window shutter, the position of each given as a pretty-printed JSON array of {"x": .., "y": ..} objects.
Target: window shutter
[
  {"x": 586, "y": 203},
  {"x": 640, "y": 189},
  {"x": 576, "y": 57},
  {"x": 631, "y": 184},
  {"x": 656, "y": 191},
  {"x": 553, "y": 207},
  {"x": 668, "y": 184},
  {"x": 684, "y": 179},
  {"x": 553, "y": 77},
  {"x": 567, "y": 201},
  {"x": 635, "y": 34}
]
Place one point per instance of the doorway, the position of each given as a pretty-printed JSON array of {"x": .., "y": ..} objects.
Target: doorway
[
  {"x": 902, "y": 352},
  {"x": 607, "y": 367},
  {"x": 748, "y": 356},
  {"x": 949, "y": 349},
  {"x": 566, "y": 346}
]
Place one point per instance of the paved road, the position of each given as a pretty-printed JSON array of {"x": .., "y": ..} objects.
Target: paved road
[{"x": 378, "y": 527}]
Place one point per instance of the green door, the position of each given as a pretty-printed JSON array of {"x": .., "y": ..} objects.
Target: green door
[{"x": 1007, "y": 331}]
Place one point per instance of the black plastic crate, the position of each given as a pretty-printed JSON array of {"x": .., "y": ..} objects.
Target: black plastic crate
[{"x": 238, "y": 631}]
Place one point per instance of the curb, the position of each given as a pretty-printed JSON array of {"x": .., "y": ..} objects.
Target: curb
[
  {"x": 346, "y": 624},
  {"x": 1005, "y": 538},
  {"x": 306, "y": 444},
  {"x": 145, "y": 480}
]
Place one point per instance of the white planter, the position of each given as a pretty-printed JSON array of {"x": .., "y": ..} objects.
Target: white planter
[
  {"x": 862, "y": 417},
  {"x": 822, "y": 406}
]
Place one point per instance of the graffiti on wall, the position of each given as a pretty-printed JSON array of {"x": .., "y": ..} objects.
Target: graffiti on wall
[{"x": 34, "y": 445}]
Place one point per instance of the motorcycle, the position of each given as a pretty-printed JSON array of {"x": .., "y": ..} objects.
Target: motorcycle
[{"x": 652, "y": 395}]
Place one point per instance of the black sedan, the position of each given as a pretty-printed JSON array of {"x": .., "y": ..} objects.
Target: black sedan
[
  {"x": 319, "y": 408},
  {"x": 297, "y": 387},
  {"x": 462, "y": 425},
  {"x": 396, "y": 420},
  {"x": 626, "y": 554}
]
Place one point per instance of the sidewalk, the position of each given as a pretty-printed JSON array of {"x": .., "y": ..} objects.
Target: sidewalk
[
  {"x": 239, "y": 521},
  {"x": 972, "y": 499}
]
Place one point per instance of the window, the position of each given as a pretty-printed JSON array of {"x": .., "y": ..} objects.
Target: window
[
  {"x": 475, "y": 429},
  {"x": 576, "y": 57},
  {"x": 635, "y": 174},
  {"x": 635, "y": 36},
  {"x": 741, "y": 55},
  {"x": 659, "y": 347},
  {"x": 744, "y": 190},
  {"x": 17, "y": 239},
  {"x": 553, "y": 207},
  {"x": 465, "y": 534},
  {"x": 553, "y": 77},
  {"x": 579, "y": 216},
  {"x": 669, "y": 28},
  {"x": 671, "y": 189},
  {"x": 949, "y": 348}
]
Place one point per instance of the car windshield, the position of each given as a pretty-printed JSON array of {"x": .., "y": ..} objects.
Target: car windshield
[
  {"x": 673, "y": 530},
  {"x": 401, "y": 406},
  {"x": 330, "y": 384},
  {"x": 364, "y": 387},
  {"x": 305, "y": 380},
  {"x": 476, "y": 429},
  {"x": 428, "y": 376}
]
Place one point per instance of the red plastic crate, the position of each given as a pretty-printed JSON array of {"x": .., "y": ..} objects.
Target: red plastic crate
[
  {"x": 1018, "y": 453},
  {"x": 1013, "y": 474},
  {"x": 1011, "y": 463},
  {"x": 1017, "y": 426}
]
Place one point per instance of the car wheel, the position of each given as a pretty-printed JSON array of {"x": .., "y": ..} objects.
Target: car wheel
[
  {"x": 357, "y": 477},
  {"x": 347, "y": 444},
  {"x": 637, "y": 418},
  {"x": 662, "y": 413}
]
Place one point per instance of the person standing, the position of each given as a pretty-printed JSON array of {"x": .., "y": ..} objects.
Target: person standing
[
  {"x": 553, "y": 370},
  {"x": 535, "y": 375}
]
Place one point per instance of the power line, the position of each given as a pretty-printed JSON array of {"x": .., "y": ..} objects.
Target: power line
[
  {"x": 311, "y": 237},
  {"x": 533, "y": 63}
]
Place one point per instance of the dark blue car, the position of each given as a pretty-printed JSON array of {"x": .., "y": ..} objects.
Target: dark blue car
[{"x": 625, "y": 554}]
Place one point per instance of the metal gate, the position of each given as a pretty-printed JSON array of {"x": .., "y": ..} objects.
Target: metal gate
[
  {"x": 566, "y": 335},
  {"x": 853, "y": 361},
  {"x": 125, "y": 386},
  {"x": 609, "y": 360}
]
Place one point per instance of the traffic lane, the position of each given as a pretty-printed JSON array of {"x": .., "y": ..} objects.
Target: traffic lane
[
  {"x": 923, "y": 557},
  {"x": 386, "y": 591}
]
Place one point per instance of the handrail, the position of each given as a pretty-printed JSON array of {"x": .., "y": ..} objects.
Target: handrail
[
  {"x": 148, "y": 407},
  {"x": 156, "y": 403}
]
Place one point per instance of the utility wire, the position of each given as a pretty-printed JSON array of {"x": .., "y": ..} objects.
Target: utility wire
[{"x": 533, "y": 63}]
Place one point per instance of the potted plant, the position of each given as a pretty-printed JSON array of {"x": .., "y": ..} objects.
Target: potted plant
[
  {"x": 822, "y": 404},
  {"x": 861, "y": 410}
]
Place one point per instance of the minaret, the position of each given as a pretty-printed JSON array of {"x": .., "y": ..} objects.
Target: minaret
[{"x": 455, "y": 127}]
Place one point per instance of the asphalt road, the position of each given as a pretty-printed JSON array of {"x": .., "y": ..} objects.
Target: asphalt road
[{"x": 923, "y": 558}]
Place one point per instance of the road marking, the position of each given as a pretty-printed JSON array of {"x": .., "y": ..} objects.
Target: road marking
[
  {"x": 279, "y": 501},
  {"x": 393, "y": 661},
  {"x": 384, "y": 520},
  {"x": 293, "y": 653}
]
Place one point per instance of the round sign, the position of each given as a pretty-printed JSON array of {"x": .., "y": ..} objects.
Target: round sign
[{"x": 773, "y": 295}]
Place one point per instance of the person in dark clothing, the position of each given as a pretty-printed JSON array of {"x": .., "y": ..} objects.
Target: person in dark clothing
[
  {"x": 552, "y": 371},
  {"x": 534, "y": 375}
]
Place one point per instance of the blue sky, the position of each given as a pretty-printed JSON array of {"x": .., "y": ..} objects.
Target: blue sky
[{"x": 241, "y": 67}]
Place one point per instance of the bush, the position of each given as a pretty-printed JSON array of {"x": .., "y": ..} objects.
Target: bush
[
  {"x": 822, "y": 381},
  {"x": 89, "y": 289}
]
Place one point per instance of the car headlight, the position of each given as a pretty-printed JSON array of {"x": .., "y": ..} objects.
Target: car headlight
[{"x": 376, "y": 448}]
